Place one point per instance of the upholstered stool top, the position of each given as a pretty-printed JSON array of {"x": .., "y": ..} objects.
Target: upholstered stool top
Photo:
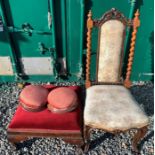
[
  {"x": 25, "y": 121},
  {"x": 62, "y": 99},
  {"x": 33, "y": 97},
  {"x": 112, "y": 108},
  {"x": 45, "y": 121}
]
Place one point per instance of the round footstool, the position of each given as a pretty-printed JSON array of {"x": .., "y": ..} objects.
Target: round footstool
[
  {"x": 61, "y": 100},
  {"x": 33, "y": 98}
]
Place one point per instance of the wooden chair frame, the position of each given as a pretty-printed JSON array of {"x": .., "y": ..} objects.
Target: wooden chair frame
[{"x": 135, "y": 23}]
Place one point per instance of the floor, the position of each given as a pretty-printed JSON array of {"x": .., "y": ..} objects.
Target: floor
[{"x": 102, "y": 143}]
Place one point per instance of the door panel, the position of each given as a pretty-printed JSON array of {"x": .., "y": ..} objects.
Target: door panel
[
  {"x": 30, "y": 37},
  {"x": 27, "y": 25},
  {"x": 33, "y": 12}
]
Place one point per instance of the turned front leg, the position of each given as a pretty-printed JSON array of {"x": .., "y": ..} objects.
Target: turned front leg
[
  {"x": 87, "y": 132},
  {"x": 137, "y": 137}
]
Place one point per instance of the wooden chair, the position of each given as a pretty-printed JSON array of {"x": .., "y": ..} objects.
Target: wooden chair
[{"x": 109, "y": 104}]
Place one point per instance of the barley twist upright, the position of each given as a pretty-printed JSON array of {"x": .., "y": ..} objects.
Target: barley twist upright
[
  {"x": 136, "y": 24},
  {"x": 88, "y": 56}
]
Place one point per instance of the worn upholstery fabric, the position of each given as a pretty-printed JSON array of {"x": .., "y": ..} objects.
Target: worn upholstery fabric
[
  {"x": 112, "y": 108},
  {"x": 110, "y": 51}
]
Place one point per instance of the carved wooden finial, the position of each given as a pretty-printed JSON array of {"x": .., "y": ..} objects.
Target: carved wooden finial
[
  {"x": 136, "y": 21},
  {"x": 136, "y": 24},
  {"x": 89, "y": 14},
  {"x": 137, "y": 13},
  {"x": 89, "y": 20},
  {"x": 88, "y": 55}
]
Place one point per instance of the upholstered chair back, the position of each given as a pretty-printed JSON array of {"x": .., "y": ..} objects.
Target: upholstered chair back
[
  {"x": 111, "y": 37},
  {"x": 112, "y": 26}
]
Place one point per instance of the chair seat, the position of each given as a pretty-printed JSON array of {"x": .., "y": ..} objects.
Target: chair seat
[{"x": 112, "y": 108}]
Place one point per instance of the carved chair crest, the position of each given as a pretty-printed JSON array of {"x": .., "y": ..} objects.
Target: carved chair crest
[{"x": 112, "y": 14}]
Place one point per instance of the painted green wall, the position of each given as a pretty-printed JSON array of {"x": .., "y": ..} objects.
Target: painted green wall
[
  {"x": 65, "y": 36},
  {"x": 20, "y": 44},
  {"x": 68, "y": 34},
  {"x": 143, "y": 66}
]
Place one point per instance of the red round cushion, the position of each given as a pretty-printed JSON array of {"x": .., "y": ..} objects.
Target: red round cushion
[
  {"x": 33, "y": 97},
  {"x": 62, "y": 99}
]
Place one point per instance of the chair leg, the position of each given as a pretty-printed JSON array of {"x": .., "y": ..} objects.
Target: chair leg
[
  {"x": 87, "y": 131},
  {"x": 137, "y": 137}
]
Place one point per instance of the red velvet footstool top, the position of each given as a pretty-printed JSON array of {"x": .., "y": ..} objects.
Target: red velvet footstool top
[{"x": 26, "y": 121}]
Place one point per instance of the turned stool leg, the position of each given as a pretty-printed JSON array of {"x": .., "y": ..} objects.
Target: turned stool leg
[
  {"x": 15, "y": 138},
  {"x": 138, "y": 136}
]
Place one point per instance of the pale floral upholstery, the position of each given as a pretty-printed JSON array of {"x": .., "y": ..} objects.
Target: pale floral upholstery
[
  {"x": 110, "y": 51},
  {"x": 112, "y": 108}
]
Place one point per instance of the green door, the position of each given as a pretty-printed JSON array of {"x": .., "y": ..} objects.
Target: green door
[
  {"x": 42, "y": 47},
  {"x": 30, "y": 29}
]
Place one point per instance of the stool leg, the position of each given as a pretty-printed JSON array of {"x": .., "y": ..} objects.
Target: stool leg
[
  {"x": 15, "y": 138},
  {"x": 137, "y": 137}
]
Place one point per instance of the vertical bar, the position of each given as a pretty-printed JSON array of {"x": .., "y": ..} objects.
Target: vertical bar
[
  {"x": 64, "y": 32},
  {"x": 53, "y": 23},
  {"x": 81, "y": 36},
  {"x": 132, "y": 9},
  {"x": 88, "y": 55},
  {"x": 12, "y": 50},
  {"x": 51, "y": 8},
  {"x": 136, "y": 24},
  {"x": 131, "y": 13}
]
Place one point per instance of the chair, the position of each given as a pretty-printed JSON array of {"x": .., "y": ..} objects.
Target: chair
[{"x": 109, "y": 104}]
